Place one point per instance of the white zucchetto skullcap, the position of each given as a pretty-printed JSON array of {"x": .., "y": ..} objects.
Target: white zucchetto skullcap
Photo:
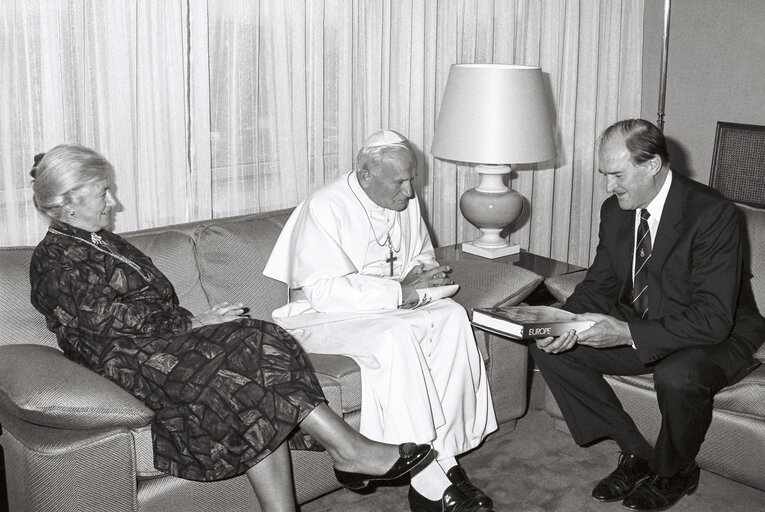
[{"x": 383, "y": 138}]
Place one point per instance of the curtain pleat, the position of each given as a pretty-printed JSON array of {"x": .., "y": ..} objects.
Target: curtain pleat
[{"x": 209, "y": 109}]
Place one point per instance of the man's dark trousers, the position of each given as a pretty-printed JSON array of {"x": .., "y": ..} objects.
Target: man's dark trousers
[{"x": 685, "y": 382}]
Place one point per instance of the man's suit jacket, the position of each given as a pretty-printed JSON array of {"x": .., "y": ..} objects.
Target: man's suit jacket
[{"x": 699, "y": 294}]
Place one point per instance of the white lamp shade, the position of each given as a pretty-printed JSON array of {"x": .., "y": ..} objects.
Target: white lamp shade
[{"x": 494, "y": 114}]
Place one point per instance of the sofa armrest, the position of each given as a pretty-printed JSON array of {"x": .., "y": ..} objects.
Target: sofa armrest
[
  {"x": 340, "y": 380},
  {"x": 561, "y": 287},
  {"x": 39, "y": 385},
  {"x": 507, "y": 369},
  {"x": 486, "y": 283},
  {"x": 65, "y": 470},
  {"x": 483, "y": 284}
]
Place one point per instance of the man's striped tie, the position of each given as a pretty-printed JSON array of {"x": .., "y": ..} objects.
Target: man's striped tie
[{"x": 642, "y": 255}]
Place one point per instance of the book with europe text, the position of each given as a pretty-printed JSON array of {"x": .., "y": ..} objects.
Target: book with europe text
[{"x": 528, "y": 322}]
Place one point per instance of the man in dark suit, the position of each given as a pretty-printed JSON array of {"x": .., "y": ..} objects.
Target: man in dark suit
[{"x": 670, "y": 297}]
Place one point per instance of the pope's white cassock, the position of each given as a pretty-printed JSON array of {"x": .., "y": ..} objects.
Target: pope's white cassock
[{"x": 423, "y": 379}]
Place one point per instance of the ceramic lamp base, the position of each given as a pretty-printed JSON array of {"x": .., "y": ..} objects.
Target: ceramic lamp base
[
  {"x": 491, "y": 207},
  {"x": 490, "y": 252}
]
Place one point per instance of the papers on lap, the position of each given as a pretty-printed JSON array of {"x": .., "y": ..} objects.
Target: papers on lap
[
  {"x": 528, "y": 322},
  {"x": 433, "y": 293}
]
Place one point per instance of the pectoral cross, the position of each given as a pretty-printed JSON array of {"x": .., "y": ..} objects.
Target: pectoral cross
[{"x": 390, "y": 258}]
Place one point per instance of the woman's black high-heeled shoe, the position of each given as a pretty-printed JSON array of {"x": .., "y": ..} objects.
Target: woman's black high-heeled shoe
[{"x": 410, "y": 455}]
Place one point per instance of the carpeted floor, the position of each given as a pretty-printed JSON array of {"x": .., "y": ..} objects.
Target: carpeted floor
[{"x": 537, "y": 468}]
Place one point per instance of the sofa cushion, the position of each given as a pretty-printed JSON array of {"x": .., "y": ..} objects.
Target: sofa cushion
[
  {"x": 755, "y": 224},
  {"x": 174, "y": 254},
  {"x": 31, "y": 389},
  {"x": 20, "y": 321},
  {"x": 746, "y": 396},
  {"x": 232, "y": 254}
]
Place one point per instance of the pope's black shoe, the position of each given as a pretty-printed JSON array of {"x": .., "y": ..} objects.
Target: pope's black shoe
[
  {"x": 660, "y": 493},
  {"x": 458, "y": 477},
  {"x": 453, "y": 500},
  {"x": 616, "y": 486},
  {"x": 410, "y": 455}
]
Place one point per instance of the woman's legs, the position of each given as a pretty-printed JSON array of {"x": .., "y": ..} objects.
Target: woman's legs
[
  {"x": 349, "y": 450},
  {"x": 271, "y": 479}
]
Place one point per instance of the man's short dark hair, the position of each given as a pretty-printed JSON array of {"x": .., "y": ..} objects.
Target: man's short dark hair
[{"x": 643, "y": 139}]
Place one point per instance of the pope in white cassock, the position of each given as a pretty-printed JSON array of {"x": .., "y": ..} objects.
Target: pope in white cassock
[{"x": 353, "y": 254}]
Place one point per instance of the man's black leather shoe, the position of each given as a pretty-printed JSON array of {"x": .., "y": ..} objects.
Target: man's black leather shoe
[
  {"x": 453, "y": 500},
  {"x": 616, "y": 486},
  {"x": 660, "y": 493},
  {"x": 458, "y": 477}
]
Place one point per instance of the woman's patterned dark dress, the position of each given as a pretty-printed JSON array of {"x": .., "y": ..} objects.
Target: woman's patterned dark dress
[{"x": 225, "y": 395}]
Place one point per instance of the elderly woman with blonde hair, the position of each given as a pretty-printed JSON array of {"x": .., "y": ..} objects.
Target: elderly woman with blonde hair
[{"x": 228, "y": 391}]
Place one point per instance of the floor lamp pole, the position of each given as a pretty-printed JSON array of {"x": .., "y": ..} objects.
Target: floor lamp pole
[{"x": 663, "y": 75}]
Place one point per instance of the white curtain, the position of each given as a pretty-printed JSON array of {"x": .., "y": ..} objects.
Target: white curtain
[
  {"x": 109, "y": 75},
  {"x": 215, "y": 108}
]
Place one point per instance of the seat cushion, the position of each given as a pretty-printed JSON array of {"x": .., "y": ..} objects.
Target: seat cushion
[{"x": 745, "y": 397}]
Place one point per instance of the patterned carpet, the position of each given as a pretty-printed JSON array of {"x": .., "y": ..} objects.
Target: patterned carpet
[{"x": 537, "y": 468}]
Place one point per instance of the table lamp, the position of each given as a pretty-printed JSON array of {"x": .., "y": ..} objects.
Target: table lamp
[{"x": 493, "y": 115}]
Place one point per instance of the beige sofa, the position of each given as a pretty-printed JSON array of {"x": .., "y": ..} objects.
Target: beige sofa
[
  {"x": 735, "y": 443},
  {"x": 73, "y": 441}
]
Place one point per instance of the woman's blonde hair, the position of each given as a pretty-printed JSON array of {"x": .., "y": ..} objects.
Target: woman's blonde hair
[{"x": 59, "y": 173}]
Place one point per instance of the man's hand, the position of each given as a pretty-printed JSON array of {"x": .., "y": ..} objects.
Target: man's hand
[
  {"x": 557, "y": 345},
  {"x": 607, "y": 331},
  {"x": 223, "y": 312},
  {"x": 419, "y": 278}
]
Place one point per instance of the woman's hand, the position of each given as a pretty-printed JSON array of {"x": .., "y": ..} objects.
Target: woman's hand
[{"x": 220, "y": 313}]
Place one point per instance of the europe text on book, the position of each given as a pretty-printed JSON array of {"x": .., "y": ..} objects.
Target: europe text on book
[{"x": 527, "y": 322}]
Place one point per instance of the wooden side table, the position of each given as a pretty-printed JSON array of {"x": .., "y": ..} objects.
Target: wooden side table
[{"x": 542, "y": 265}]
